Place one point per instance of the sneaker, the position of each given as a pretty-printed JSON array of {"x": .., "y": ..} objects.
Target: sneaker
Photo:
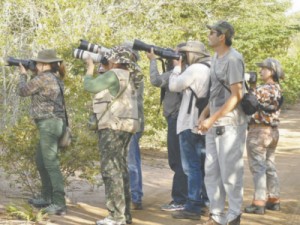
[
  {"x": 211, "y": 221},
  {"x": 137, "y": 206},
  {"x": 128, "y": 219},
  {"x": 39, "y": 202},
  {"x": 205, "y": 211},
  {"x": 54, "y": 209},
  {"x": 183, "y": 214},
  {"x": 236, "y": 221},
  {"x": 255, "y": 209},
  {"x": 107, "y": 221},
  {"x": 273, "y": 206},
  {"x": 172, "y": 206}
]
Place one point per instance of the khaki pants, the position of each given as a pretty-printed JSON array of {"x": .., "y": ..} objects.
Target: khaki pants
[{"x": 261, "y": 146}]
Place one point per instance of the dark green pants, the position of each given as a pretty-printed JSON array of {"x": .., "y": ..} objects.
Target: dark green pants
[
  {"x": 113, "y": 147},
  {"x": 47, "y": 160}
]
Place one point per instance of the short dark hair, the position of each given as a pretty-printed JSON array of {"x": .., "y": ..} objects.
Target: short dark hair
[{"x": 228, "y": 40}]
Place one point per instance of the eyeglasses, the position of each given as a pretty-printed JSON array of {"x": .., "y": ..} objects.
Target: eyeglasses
[{"x": 213, "y": 32}]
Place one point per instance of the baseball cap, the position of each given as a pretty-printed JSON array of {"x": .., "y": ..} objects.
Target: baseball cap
[
  {"x": 274, "y": 65},
  {"x": 223, "y": 27}
]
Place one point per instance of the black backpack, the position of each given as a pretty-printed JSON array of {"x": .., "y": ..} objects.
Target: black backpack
[{"x": 202, "y": 102}]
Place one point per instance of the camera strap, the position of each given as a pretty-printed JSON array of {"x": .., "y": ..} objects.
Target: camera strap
[
  {"x": 63, "y": 99},
  {"x": 227, "y": 88}
]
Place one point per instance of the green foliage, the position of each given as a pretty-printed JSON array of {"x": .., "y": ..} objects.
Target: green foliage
[
  {"x": 25, "y": 212},
  {"x": 262, "y": 30}
]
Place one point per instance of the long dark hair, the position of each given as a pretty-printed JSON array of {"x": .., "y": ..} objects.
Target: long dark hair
[{"x": 60, "y": 68}]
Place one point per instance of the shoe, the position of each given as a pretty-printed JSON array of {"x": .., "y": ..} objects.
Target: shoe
[
  {"x": 255, "y": 209},
  {"x": 205, "y": 211},
  {"x": 211, "y": 221},
  {"x": 54, "y": 209},
  {"x": 128, "y": 219},
  {"x": 137, "y": 206},
  {"x": 107, "y": 221},
  {"x": 183, "y": 214},
  {"x": 273, "y": 206},
  {"x": 39, "y": 202},
  {"x": 236, "y": 221},
  {"x": 172, "y": 206}
]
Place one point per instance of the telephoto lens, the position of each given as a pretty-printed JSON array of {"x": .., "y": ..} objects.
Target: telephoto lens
[
  {"x": 81, "y": 54},
  {"x": 28, "y": 64},
  {"x": 85, "y": 45}
]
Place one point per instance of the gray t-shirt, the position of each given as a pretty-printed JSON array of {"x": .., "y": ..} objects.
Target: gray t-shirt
[
  {"x": 230, "y": 70},
  {"x": 172, "y": 100}
]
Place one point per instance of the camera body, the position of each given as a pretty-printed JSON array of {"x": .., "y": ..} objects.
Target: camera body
[
  {"x": 28, "y": 64},
  {"x": 165, "y": 53},
  {"x": 251, "y": 77}
]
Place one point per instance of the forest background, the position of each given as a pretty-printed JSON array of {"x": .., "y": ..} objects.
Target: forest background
[{"x": 263, "y": 29}]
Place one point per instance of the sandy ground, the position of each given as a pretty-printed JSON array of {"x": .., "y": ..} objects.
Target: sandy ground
[{"x": 86, "y": 204}]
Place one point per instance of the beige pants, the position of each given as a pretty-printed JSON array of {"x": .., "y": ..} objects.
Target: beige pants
[{"x": 261, "y": 145}]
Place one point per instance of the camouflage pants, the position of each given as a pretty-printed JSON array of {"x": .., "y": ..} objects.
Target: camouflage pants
[
  {"x": 261, "y": 145},
  {"x": 113, "y": 146}
]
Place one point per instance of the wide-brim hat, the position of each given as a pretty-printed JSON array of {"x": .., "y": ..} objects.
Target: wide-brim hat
[
  {"x": 47, "y": 56},
  {"x": 194, "y": 46},
  {"x": 272, "y": 64}
]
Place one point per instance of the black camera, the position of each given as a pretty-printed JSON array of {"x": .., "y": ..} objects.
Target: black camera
[
  {"x": 165, "y": 53},
  {"x": 251, "y": 77},
  {"x": 28, "y": 64}
]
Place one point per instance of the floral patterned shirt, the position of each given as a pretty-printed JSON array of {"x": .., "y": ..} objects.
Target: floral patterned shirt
[
  {"x": 46, "y": 97},
  {"x": 269, "y": 97}
]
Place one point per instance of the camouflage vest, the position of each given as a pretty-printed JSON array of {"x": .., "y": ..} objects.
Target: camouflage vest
[{"x": 119, "y": 112}]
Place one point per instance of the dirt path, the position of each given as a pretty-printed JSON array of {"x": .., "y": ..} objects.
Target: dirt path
[{"x": 86, "y": 205}]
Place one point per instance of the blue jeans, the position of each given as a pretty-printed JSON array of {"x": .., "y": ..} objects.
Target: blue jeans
[
  {"x": 179, "y": 185},
  {"x": 192, "y": 147},
  {"x": 134, "y": 168}
]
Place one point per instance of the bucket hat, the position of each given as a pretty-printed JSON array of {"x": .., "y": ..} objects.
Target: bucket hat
[
  {"x": 47, "y": 56},
  {"x": 119, "y": 54},
  {"x": 129, "y": 45},
  {"x": 194, "y": 46}
]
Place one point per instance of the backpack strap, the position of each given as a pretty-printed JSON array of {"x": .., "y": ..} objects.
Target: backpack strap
[{"x": 194, "y": 94}]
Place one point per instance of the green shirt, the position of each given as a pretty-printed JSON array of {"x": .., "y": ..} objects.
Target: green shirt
[{"x": 108, "y": 80}]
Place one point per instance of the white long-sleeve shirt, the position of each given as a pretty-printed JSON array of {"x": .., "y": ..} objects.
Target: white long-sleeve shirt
[{"x": 196, "y": 77}]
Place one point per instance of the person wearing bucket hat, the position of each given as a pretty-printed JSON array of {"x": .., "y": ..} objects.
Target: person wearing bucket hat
[
  {"x": 225, "y": 123},
  {"x": 48, "y": 112},
  {"x": 171, "y": 104},
  {"x": 134, "y": 154},
  {"x": 263, "y": 137},
  {"x": 193, "y": 82},
  {"x": 115, "y": 105}
]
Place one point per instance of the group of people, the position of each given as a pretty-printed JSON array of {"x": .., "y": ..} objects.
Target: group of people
[{"x": 205, "y": 144}]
